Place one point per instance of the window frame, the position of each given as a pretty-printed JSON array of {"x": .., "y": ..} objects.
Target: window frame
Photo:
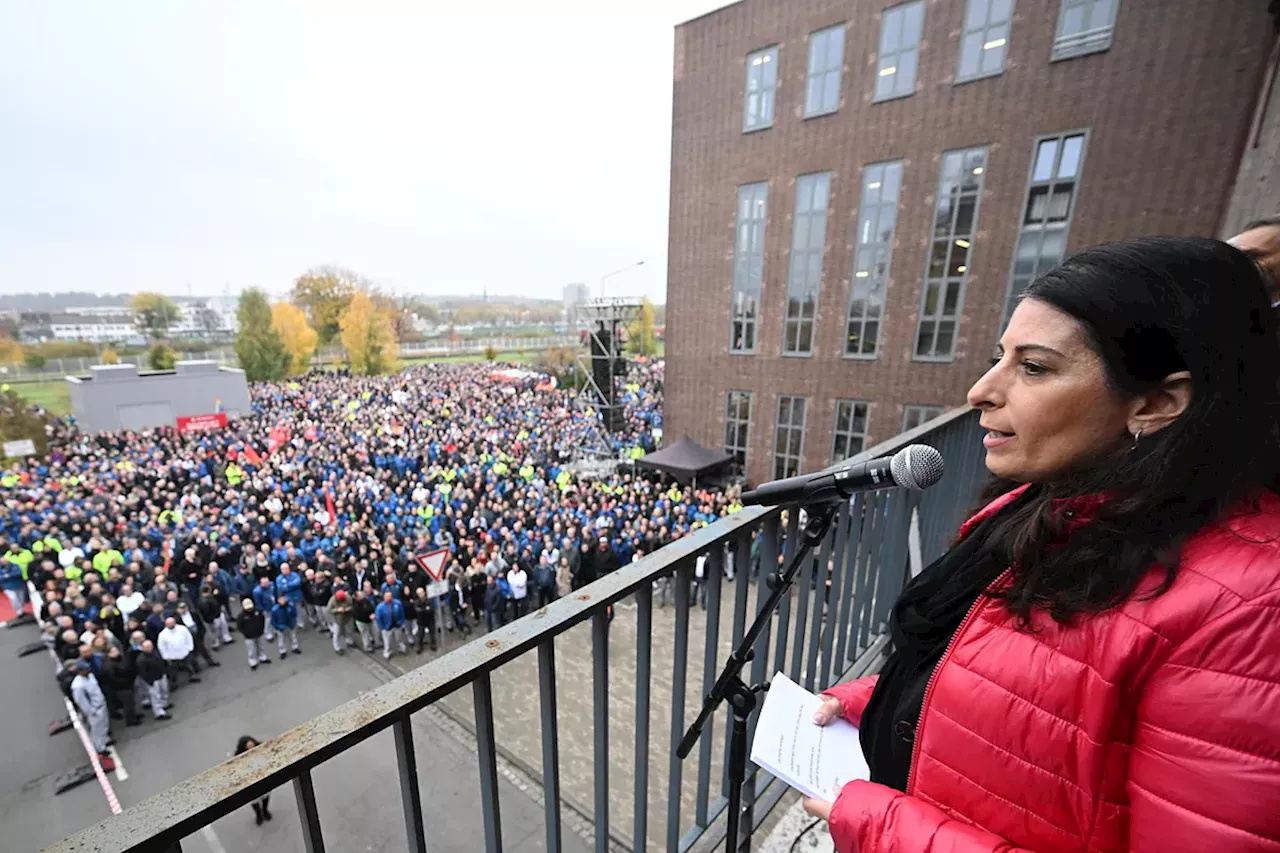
[
  {"x": 767, "y": 93},
  {"x": 743, "y": 265},
  {"x": 859, "y": 248},
  {"x": 1032, "y": 183},
  {"x": 924, "y": 411},
  {"x": 939, "y": 316},
  {"x": 731, "y": 419},
  {"x": 1072, "y": 46},
  {"x": 985, "y": 29},
  {"x": 809, "y": 254},
  {"x": 825, "y": 34},
  {"x": 804, "y": 423},
  {"x": 876, "y": 97},
  {"x": 849, "y": 435}
]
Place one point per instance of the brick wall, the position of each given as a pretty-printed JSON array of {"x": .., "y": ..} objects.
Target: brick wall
[{"x": 1167, "y": 107}]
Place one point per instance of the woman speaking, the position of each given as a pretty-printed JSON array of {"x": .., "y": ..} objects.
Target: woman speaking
[{"x": 1095, "y": 664}]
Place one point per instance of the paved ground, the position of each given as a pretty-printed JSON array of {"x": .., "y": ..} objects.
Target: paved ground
[{"x": 358, "y": 793}]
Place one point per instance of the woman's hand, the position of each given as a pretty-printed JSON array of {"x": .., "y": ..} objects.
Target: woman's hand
[
  {"x": 822, "y": 808},
  {"x": 828, "y": 711}
]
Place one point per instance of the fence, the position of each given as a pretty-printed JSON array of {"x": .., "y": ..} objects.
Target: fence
[
  {"x": 56, "y": 368},
  {"x": 830, "y": 627}
]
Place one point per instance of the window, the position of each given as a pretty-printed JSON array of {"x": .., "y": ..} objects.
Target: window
[
  {"x": 877, "y": 217},
  {"x": 900, "y": 30},
  {"x": 851, "y": 429},
  {"x": 737, "y": 427},
  {"x": 914, "y": 415},
  {"x": 788, "y": 437},
  {"x": 808, "y": 238},
  {"x": 1084, "y": 27},
  {"x": 762, "y": 80},
  {"x": 954, "y": 223},
  {"x": 985, "y": 38},
  {"x": 826, "y": 60},
  {"x": 1051, "y": 193},
  {"x": 748, "y": 266}
]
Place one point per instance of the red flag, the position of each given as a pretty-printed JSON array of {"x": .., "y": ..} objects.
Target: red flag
[
  {"x": 310, "y": 434},
  {"x": 328, "y": 505},
  {"x": 251, "y": 456}
]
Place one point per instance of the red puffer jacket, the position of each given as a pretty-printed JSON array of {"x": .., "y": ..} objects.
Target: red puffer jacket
[{"x": 1154, "y": 727}]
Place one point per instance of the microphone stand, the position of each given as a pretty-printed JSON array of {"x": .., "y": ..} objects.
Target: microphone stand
[{"x": 730, "y": 686}]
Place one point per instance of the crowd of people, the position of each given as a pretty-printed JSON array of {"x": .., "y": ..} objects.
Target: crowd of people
[{"x": 149, "y": 549}]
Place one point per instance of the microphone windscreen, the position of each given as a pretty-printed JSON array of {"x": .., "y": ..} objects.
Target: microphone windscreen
[{"x": 917, "y": 466}]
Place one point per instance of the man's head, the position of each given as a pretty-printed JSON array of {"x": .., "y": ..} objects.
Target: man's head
[
  {"x": 148, "y": 647},
  {"x": 169, "y": 623},
  {"x": 264, "y": 582},
  {"x": 1260, "y": 240},
  {"x": 386, "y": 596},
  {"x": 282, "y": 600}
]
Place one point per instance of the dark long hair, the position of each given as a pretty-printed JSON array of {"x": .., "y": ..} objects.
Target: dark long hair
[
  {"x": 242, "y": 745},
  {"x": 1149, "y": 308}
]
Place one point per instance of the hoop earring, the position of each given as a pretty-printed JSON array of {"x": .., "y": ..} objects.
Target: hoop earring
[{"x": 1137, "y": 436}]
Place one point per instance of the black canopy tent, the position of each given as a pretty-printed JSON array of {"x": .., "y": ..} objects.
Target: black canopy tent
[{"x": 686, "y": 460}]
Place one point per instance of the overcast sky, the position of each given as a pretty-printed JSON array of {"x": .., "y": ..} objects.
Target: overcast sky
[{"x": 434, "y": 147}]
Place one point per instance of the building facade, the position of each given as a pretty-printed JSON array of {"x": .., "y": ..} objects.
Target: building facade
[
  {"x": 860, "y": 189},
  {"x": 97, "y": 328},
  {"x": 574, "y": 295}
]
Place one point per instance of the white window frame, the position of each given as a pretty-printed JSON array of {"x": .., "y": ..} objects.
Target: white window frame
[
  {"x": 915, "y": 414},
  {"x": 732, "y": 421},
  {"x": 785, "y": 463},
  {"x": 1099, "y": 18},
  {"x": 804, "y": 277},
  {"x": 762, "y": 73},
  {"x": 870, "y": 283},
  {"x": 850, "y": 434},
  {"x": 823, "y": 77},
  {"x": 990, "y": 34},
  {"x": 748, "y": 266},
  {"x": 889, "y": 60}
]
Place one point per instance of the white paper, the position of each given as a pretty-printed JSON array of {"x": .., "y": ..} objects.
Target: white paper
[{"x": 815, "y": 760}]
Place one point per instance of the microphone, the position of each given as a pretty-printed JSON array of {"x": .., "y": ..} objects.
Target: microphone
[{"x": 915, "y": 467}]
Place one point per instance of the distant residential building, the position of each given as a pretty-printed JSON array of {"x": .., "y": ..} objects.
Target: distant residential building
[
  {"x": 574, "y": 295},
  {"x": 95, "y": 328}
]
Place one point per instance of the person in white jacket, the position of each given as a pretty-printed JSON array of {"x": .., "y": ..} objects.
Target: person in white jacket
[
  {"x": 128, "y": 601},
  {"x": 89, "y": 698},
  {"x": 176, "y": 646},
  {"x": 519, "y": 580}
]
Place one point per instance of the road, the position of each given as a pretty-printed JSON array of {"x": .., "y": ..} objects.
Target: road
[{"x": 357, "y": 792}]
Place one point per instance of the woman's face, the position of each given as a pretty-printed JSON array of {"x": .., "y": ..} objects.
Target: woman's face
[{"x": 1045, "y": 401}]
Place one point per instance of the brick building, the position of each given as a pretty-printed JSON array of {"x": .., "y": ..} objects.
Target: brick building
[{"x": 859, "y": 188}]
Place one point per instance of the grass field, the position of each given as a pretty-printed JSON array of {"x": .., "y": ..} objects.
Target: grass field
[{"x": 52, "y": 395}]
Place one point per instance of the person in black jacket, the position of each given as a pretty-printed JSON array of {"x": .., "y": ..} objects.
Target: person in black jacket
[
  {"x": 362, "y": 611},
  {"x": 261, "y": 811},
  {"x": 186, "y": 616},
  {"x": 154, "y": 672},
  {"x": 425, "y": 613},
  {"x": 252, "y": 622},
  {"x": 117, "y": 679},
  {"x": 210, "y": 612}
]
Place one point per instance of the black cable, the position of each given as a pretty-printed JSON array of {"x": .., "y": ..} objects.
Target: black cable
[{"x": 803, "y": 833}]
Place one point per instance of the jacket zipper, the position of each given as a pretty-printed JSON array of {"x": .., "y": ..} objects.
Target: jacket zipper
[{"x": 928, "y": 690}]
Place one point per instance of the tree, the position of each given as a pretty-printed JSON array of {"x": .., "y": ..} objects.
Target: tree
[
  {"x": 154, "y": 313},
  {"x": 368, "y": 336},
  {"x": 258, "y": 345},
  {"x": 207, "y": 320},
  {"x": 161, "y": 357},
  {"x": 33, "y": 359},
  {"x": 490, "y": 353},
  {"x": 298, "y": 336},
  {"x": 18, "y": 420},
  {"x": 640, "y": 340},
  {"x": 109, "y": 356},
  {"x": 324, "y": 293},
  {"x": 10, "y": 351}
]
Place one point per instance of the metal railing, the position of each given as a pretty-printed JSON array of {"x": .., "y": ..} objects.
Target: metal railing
[{"x": 829, "y": 628}]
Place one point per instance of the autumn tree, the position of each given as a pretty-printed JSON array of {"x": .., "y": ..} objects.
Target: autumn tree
[
  {"x": 640, "y": 339},
  {"x": 161, "y": 357},
  {"x": 10, "y": 351},
  {"x": 368, "y": 336},
  {"x": 154, "y": 313},
  {"x": 19, "y": 420},
  {"x": 324, "y": 293},
  {"x": 299, "y": 338},
  {"x": 207, "y": 320},
  {"x": 259, "y": 346},
  {"x": 109, "y": 356}
]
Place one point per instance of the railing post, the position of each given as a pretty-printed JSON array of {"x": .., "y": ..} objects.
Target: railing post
[
  {"x": 680, "y": 665},
  {"x": 644, "y": 649},
  {"x": 550, "y": 748},
  {"x": 482, "y": 698},
  {"x": 711, "y": 589},
  {"x": 305, "y": 792},
  {"x": 407, "y": 764},
  {"x": 600, "y": 708}
]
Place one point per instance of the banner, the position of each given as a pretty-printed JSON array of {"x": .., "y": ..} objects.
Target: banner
[{"x": 202, "y": 423}]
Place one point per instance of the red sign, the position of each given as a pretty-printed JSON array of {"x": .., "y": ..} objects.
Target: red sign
[
  {"x": 433, "y": 562},
  {"x": 202, "y": 423}
]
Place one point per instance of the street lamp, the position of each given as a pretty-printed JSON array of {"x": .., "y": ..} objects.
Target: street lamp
[{"x": 616, "y": 272}]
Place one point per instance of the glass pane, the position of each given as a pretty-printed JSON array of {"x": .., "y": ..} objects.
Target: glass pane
[
  {"x": 1060, "y": 203},
  {"x": 869, "y": 336},
  {"x": 1073, "y": 20},
  {"x": 843, "y": 415},
  {"x": 951, "y": 303},
  {"x": 938, "y": 259},
  {"x": 977, "y": 16},
  {"x": 817, "y": 52},
  {"x": 1051, "y": 249},
  {"x": 964, "y": 215},
  {"x": 835, "y": 48},
  {"x": 1072, "y": 147},
  {"x": 806, "y": 337},
  {"x": 952, "y": 164},
  {"x": 891, "y": 30},
  {"x": 1000, "y": 10},
  {"x": 831, "y": 91},
  {"x": 892, "y": 176},
  {"x": 906, "y": 77},
  {"x": 819, "y": 193},
  {"x": 942, "y": 216},
  {"x": 924, "y": 338},
  {"x": 1103, "y": 10},
  {"x": 1024, "y": 259},
  {"x": 993, "y": 56},
  {"x": 959, "y": 261},
  {"x": 970, "y": 54},
  {"x": 1045, "y": 155},
  {"x": 913, "y": 25},
  {"x": 946, "y": 331},
  {"x": 884, "y": 83},
  {"x": 770, "y": 68},
  {"x": 813, "y": 96},
  {"x": 859, "y": 418},
  {"x": 793, "y": 446},
  {"x": 931, "y": 298}
]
